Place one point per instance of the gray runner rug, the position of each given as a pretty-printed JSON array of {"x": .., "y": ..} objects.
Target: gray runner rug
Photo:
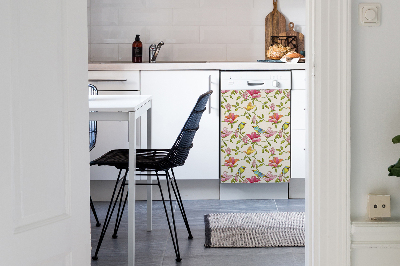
[{"x": 270, "y": 229}]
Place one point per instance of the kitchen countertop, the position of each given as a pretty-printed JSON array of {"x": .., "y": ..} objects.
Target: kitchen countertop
[{"x": 195, "y": 66}]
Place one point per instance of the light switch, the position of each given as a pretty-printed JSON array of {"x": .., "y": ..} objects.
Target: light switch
[{"x": 369, "y": 14}]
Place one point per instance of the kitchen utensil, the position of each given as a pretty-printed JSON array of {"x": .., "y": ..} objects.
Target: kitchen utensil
[
  {"x": 292, "y": 32},
  {"x": 287, "y": 41},
  {"x": 275, "y": 23}
]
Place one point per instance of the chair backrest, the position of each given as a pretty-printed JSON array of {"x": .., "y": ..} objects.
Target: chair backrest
[
  {"x": 180, "y": 150},
  {"x": 92, "y": 124}
]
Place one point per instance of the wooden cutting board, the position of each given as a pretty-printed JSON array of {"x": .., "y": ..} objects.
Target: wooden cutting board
[
  {"x": 292, "y": 32},
  {"x": 275, "y": 23}
]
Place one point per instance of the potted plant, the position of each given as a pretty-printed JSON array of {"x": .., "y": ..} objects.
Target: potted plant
[{"x": 394, "y": 170}]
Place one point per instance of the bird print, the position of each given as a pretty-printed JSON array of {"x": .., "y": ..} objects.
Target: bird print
[
  {"x": 250, "y": 150},
  {"x": 259, "y": 174},
  {"x": 241, "y": 170},
  {"x": 241, "y": 125},
  {"x": 259, "y": 130},
  {"x": 250, "y": 106},
  {"x": 285, "y": 170},
  {"x": 285, "y": 126}
]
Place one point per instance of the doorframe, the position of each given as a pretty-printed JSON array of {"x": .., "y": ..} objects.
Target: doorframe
[{"x": 328, "y": 221}]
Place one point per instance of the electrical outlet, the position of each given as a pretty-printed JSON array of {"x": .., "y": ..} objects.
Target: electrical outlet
[{"x": 378, "y": 206}]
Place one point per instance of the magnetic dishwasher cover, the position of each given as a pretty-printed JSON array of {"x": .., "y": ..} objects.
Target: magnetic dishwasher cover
[{"x": 255, "y": 126}]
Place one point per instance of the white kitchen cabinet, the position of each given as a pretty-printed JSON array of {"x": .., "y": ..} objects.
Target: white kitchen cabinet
[
  {"x": 298, "y": 158},
  {"x": 298, "y": 109},
  {"x": 112, "y": 134},
  {"x": 174, "y": 96},
  {"x": 115, "y": 80},
  {"x": 298, "y": 122},
  {"x": 298, "y": 79}
]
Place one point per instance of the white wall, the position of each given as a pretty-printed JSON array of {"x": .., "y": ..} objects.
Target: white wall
[
  {"x": 193, "y": 30},
  {"x": 375, "y": 120},
  {"x": 375, "y": 108}
]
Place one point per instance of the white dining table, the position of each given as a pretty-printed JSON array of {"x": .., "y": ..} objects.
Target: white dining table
[{"x": 127, "y": 108}]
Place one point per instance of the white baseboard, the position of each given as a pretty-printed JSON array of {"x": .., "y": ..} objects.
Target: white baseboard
[
  {"x": 101, "y": 190},
  {"x": 375, "y": 243}
]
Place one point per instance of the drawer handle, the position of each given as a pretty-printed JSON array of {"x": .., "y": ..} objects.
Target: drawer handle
[
  {"x": 254, "y": 83},
  {"x": 100, "y": 80}
]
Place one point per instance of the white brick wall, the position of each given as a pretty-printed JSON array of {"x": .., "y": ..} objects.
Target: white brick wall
[{"x": 192, "y": 30}]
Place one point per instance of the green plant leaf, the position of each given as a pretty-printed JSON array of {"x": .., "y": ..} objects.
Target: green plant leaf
[{"x": 396, "y": 139}]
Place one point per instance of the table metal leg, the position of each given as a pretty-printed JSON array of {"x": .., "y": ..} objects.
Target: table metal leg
[
  {"x": 149, "y": 178},
  {"x": 132, "y": 190}
]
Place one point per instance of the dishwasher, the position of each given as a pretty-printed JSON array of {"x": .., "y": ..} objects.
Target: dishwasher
[{"x": 255, "y": 127}]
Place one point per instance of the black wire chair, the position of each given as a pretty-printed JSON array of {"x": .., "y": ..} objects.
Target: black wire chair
[
  {"x": 92, "y": 143},
  {"x": 149, "y": 161}
]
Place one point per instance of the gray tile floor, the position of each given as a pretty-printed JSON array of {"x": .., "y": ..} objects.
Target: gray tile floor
[{"x": 155, "y": 248}]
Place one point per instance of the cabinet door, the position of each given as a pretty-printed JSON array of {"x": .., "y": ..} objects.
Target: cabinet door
[
  {"x": 298, "y": 137},
  {"x": 298, "y": 153},
  {"x": 298, "y": 79},
  {"x": 298, "y": 101},
  {"x": 174, "y": 96}
]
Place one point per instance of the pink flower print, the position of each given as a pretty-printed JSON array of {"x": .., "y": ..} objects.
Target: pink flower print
[
  {"x": 253, "y": 164},
  {"x": 269, "y": 91},
  {"x": 228, "y": 107},
  {"x": 253, "y": 179},
  {"x": 288, "y": 139},
  {"x": 224, "y": 91},
  {"x": 269, "y": 132},
  {"x": 253, "y": 120},
  {"x": 245, "y": 95},
  {"x": 245, "y": 139},
  {"x": 275, "y": 162},
  {"x": 288, "y": 95},
  {"x": 231, "y": 162},
  {"x": 272, "y": 150},
  {"x": 275, "y": 118},
  {"x": 225, "y": 132},
  {"x": 280, "y": 177},
  {"x": 254, "y": 137},
  {"x": 272, "y": 107},
  {"x": 254, "y": 93},
  {"x": 228, "y": 150},
  {"x": 280, "y": 133},
  {"x": 236, "y": 133},
  {"x": 280, "y": 91},
  {"x": 231, "y": 118},
  {"x": 225, "y": 177},
  {"x": 270, "y": 176}
]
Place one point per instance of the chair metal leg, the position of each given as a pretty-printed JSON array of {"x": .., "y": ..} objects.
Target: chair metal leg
[
  {"x": 174, "y": 239},
  {"x": 180, "y": 203},
  {"x": 178, "y": 258},
  {"x": 109, "y": 213},
  {"x": 94, "y": 213},
  {"x": 120, "y": 211}
]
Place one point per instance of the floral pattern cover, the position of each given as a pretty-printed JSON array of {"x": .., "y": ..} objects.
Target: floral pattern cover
[{"x": 255, "y": 136}]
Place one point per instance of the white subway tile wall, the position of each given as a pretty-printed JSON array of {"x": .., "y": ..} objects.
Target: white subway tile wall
[{"x": 192, "y": 30}]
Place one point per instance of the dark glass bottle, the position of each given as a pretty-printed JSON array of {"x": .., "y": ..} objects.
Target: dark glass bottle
[{"x": 137, "y": 50}]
